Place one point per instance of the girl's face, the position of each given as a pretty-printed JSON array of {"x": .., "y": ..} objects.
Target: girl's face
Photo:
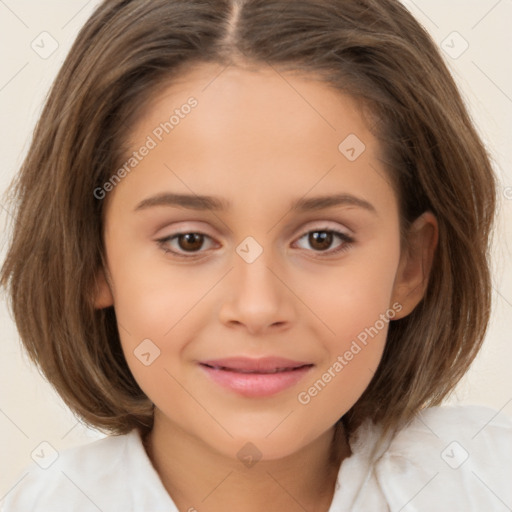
[{"x": 254, "y": 260}]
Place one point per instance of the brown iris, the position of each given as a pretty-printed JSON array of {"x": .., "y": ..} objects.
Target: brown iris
[
  {"x": 320, "y": 240},
  {"x": 191, "y": 241}
]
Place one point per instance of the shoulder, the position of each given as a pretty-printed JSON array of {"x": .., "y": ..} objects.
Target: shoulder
[
  {"x": 103, "y": 475},
  {"x": 449, "y": 458}
]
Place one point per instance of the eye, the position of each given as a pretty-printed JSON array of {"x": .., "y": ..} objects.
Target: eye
[
  {"x": 322, "y": 239},
  {"x": 182, "y": 243},
  {"x": 188, "y": 244}
]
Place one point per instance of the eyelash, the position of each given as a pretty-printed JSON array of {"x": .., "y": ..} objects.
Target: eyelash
[{"x": 346, "y": 239}]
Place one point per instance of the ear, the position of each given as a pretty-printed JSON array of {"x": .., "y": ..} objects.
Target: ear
[
  {"x": 103, "y": 297},
  {"x": 415, "y": 263}
]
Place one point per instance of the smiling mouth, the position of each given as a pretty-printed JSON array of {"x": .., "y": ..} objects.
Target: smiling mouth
[{"x": 254, "y": 378}]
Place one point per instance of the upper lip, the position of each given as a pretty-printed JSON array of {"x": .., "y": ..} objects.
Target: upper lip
[{"x": 263, "y": 364}]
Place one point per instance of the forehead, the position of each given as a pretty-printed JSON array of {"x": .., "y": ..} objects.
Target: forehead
[
  {"x": 253, "y": 132},
  {"x": 263, "y": 98}
]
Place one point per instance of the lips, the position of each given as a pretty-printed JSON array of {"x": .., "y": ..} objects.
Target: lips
[{"x": 256, "y": 377}]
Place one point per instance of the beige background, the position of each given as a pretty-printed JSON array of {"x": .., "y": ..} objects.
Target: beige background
[{"x": 30, "y": 412}]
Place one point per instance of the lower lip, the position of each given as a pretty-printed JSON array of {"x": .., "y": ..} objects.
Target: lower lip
[{"x": 256, "y": 384}]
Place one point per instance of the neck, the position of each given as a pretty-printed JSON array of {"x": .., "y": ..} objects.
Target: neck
[{"x": 198, "y": 477}]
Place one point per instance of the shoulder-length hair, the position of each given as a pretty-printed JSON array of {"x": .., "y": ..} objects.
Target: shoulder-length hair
[{"x": 128, "y": 50}]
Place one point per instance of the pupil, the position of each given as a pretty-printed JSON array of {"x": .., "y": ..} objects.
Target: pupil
[{"x": 323, "y": 237}]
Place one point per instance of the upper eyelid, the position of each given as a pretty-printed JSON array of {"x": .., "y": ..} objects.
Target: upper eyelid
[{"x": 313, "y": 225}]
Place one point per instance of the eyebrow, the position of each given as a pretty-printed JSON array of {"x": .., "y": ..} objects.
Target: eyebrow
[{"x": 196, "y": 202}]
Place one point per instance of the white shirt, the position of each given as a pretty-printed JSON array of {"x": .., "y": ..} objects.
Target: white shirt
[{"x": 448, "y": 459}]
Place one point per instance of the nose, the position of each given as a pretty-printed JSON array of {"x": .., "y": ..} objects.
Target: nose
[{"x": 256, "y": 297}]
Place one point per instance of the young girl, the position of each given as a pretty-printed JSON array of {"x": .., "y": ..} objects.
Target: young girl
[{"x": 251, "y": 243}]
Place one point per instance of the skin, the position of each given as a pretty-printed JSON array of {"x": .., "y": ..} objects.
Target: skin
[{"x": 259, "y": 139}]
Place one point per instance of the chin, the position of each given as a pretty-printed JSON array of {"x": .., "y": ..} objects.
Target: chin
[{"x": 259, "y": 441}]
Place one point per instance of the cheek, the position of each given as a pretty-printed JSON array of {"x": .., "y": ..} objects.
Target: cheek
[
  {"x": 360, "y": 322},
  {"x": 339, "y": 384},
  {"x": 355, "y": 308},
  {"x": 151, "y": 297},
  {"x": 158, "y": 308},
  {"x": 353, "y": 297}
]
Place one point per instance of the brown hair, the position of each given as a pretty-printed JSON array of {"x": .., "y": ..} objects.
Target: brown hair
[{"x": 372, "y": 49}]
